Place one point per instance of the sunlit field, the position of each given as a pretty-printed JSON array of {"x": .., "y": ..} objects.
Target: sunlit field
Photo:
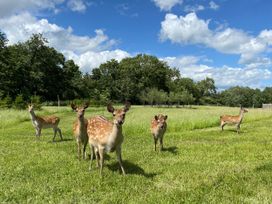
[{"x": 199, "y": 164}]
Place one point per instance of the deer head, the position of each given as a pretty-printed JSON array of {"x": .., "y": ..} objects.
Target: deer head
[
  {"x": 118, "y": 114},
  {"x": 161, "y": 120},
  {"x": 30, "y": 108},
  {"x": 80, "y": 110}
]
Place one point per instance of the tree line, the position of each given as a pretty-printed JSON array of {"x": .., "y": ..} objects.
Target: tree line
[{"x": 33, "y": 71}]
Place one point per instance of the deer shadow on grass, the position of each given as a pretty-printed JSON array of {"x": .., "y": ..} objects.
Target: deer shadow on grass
[
  {"x": 131, "y": 168},
  {"x": 173, "y": 150},
  {"x": 63, "y": 140},
  {"x": 264, "y": 167}
]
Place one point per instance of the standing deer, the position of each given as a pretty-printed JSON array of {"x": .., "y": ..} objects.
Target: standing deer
[
  {"x": 107, "y": 136},
  {"x": 40, "y": 123},
  {"x": 80, "y": 129},
  {"x": 229, "y": 119},
  {"x": 158, "y": 128}
]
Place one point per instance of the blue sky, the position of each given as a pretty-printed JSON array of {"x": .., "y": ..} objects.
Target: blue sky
[{"x": 230, "y": 41}]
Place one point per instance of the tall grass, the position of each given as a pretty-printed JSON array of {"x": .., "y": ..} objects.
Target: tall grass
[{"x": 200, "y": 164}]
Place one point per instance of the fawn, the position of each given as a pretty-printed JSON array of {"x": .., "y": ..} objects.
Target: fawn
[
  {"x": 44, "y": 122},
  {"x": 158, "y": 128},
  {"x": 106, "y": 136},
  {"x": 229, "y": 119},
  {"x": 80, "y": 129}
]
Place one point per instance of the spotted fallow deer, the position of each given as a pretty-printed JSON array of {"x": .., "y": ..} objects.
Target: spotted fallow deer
[
  {"x": 80, "y": 129},
  {"x": 158, "y": 128},
  {"x": 40, "y": 123},
  {"x": 235, "y": 120},
  {"x": 106, "y": 136}
]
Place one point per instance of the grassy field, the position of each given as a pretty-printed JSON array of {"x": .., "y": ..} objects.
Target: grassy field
[{"x": 200, "y": 164}]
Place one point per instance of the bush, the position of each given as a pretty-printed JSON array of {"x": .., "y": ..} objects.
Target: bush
[
  {"x": 36, "y": 100},
  {"x": 19, "y": 102},
  {"x": 6, "y": 102}
]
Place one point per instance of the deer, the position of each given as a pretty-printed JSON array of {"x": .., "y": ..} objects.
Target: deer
[
  {"x": 229, "y": 119},
  {"x": 80, "y": 129},
  {"x": 45, "y": 122},
  {"x": 158, "y": 128},
  {"x": 106, "y": 136}
]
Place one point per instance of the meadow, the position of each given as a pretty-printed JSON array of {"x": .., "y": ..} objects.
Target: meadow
[{"x": 199, "y": 164}]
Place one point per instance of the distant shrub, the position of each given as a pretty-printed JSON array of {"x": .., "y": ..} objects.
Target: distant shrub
[
  {"x": 36, "y": 100},
  {"x": 19, "y": 102},
  {"x": 6, "y": 102}
]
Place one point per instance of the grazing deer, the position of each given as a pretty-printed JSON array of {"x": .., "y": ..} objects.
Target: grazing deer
[
  {"x": 229, "y": 119},
  {"x": 44, "y": 122},
  {"x": 158, "y": 128},
  {"x": 107, "y": 136},
  {"x": 80, "y": 129}
]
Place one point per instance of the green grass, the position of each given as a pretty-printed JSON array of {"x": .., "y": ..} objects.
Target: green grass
[{"x": 200, "y": 164}]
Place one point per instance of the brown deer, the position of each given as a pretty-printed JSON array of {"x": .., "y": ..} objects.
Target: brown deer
[
  {"x": 80, "y": 129},
  {"x": 158, "y": 128},
  {"x": 40, "y": 123},
  {"x": 106, "y": 136},
  {"x": 235, "y": 120}
]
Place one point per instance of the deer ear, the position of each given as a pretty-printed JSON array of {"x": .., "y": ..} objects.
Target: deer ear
[
  {"x": 156, "y": 117},
  {"x": 165, "y": 117},
  {"x": 127, "y": 106},
  {"x": 110, "y": 108},
  {"x": 86, "y": 105},
  {"x": 73, "y": 106}
]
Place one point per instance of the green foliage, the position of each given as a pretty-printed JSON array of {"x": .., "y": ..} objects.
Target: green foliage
[
  {"x": 32, "y": 67},
  {"x": 36, "y": 100},
  {"x": 19, "y": 102},
  {"x": 6, "y": 102},
  {"x": 242, "y": 96}
]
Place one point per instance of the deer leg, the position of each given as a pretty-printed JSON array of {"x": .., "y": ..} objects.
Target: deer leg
[
  {"x": 238, "y": 128},
  {"x": 222, "y": 126},
  {"x": 101, "y": 155},
  {"x": 59, "y": 130},
  {"x": 119, "y": 158},
  {"x": 84, "y": 150},
  {"x": 79, "y": 150},
  {"x": 92, "y": 157},
  {"x": 55, "y": 132},
  {"x": 155, "y": 142},
  {"x": 38, "y": 132},
  {"x": 161, "y": 143}
]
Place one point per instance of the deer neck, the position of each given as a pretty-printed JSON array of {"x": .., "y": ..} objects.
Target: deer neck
[
  {"x": 32, "y": 115},
  {"x": 81, "y": 123},
  {"x": 115, "y": 137},
  {"x": 241, "y": 116}
]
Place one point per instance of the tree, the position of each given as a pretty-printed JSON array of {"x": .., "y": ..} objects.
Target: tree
[{"x": 207, "y": 91}]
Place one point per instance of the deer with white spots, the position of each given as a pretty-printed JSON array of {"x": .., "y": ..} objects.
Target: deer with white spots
[
  {"x": 158, "y": 128},
  {"x": 80, "y": 129},
  {"x": 230, "y": 119},
  {"x": 106, "y": 136},
  {"x": 44, "y": 122}
]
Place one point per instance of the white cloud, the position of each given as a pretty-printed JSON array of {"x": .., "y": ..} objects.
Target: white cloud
[
  {"x": 195, "y": 8},
  {"x": 87, "y": 51},
  {"x": 224, "y": 76},
  {"x": 213, "y": 5},
  {"x": 77, "y": 5},
  {"x": 89, "y": 60},
  {"x": 9, "y": 7},
  {"x": 166, "y": 5},
  {"x": 192, "y": 30}
]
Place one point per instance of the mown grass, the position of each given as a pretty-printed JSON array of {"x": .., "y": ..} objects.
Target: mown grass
[{"x": 200, "y": 164}]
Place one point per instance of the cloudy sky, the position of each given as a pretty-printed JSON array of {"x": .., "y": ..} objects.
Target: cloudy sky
[{"x": 230, "y": 41}]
